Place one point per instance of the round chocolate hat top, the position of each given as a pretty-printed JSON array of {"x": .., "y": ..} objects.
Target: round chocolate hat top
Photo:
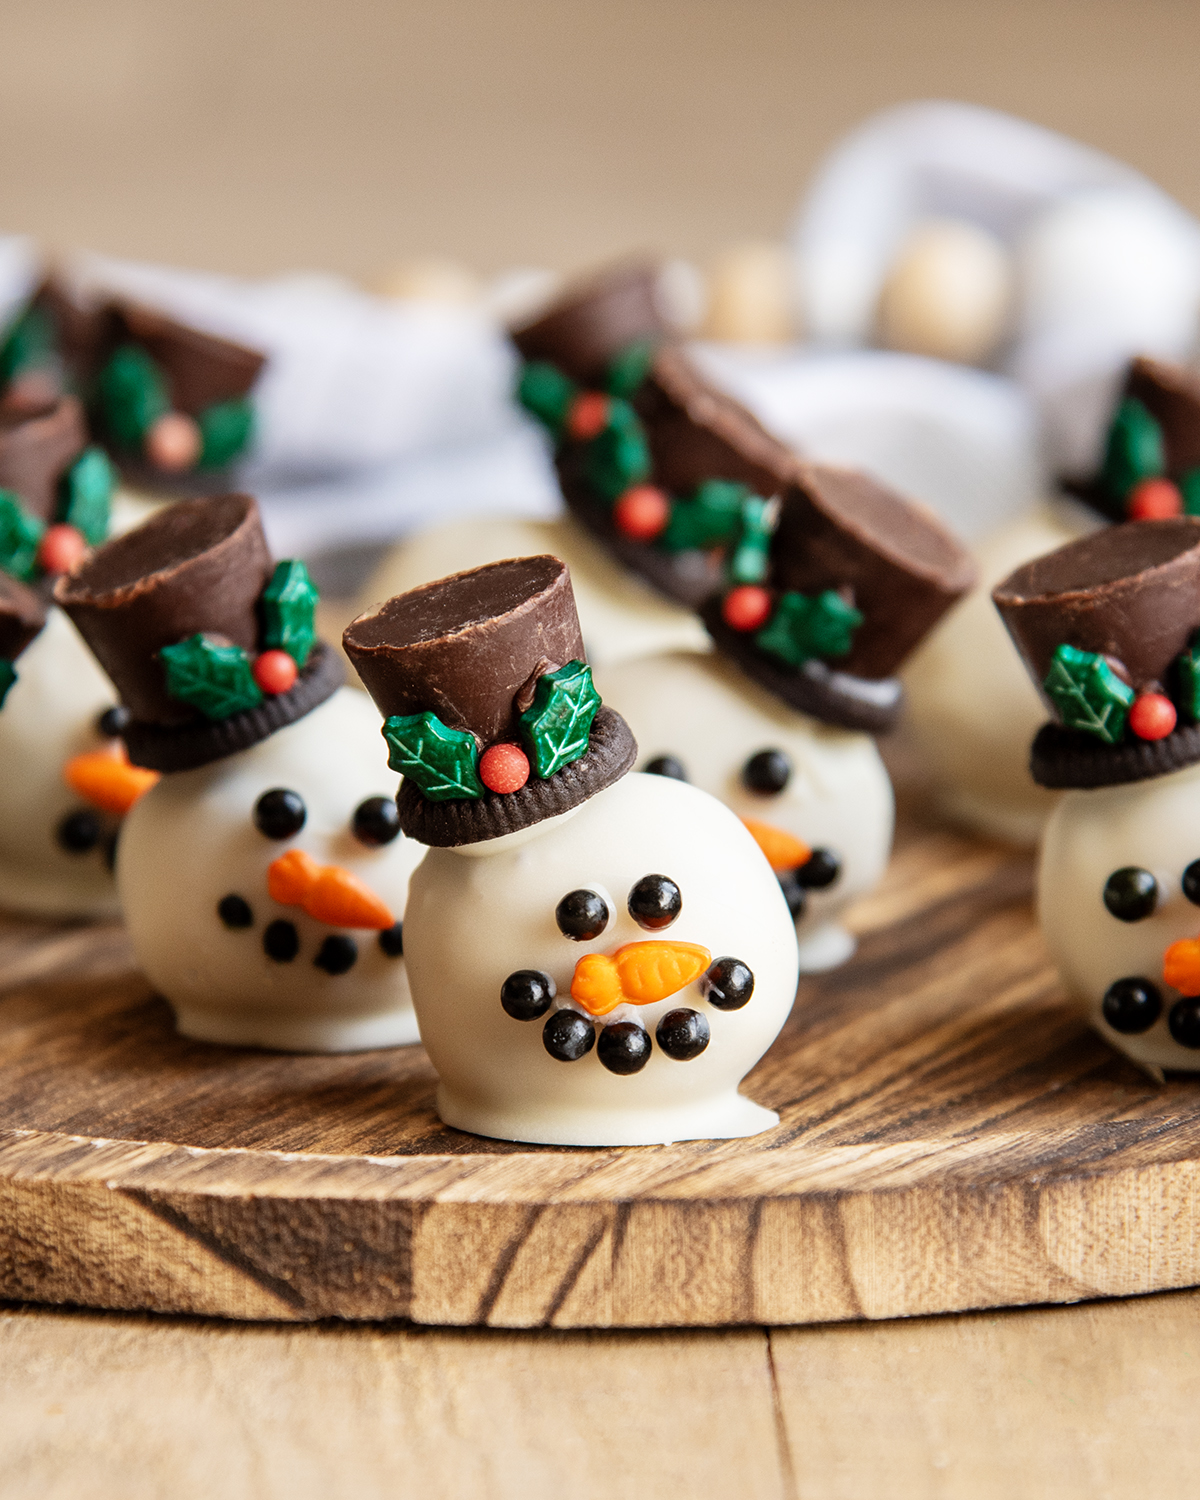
[
  {"x": 1129, "y": 592},
  {"x": 1171, "y": 394},
  {"x": 195, "y": 566},
  {"x": 840, "y": 529},
  {"x": 201, "y": 369},
  {"x": 22, "y": 615},
  {"x": 36, "y": 448},
  {"x": 464, "y": 647},
  {"x": 595, "y": 319}
]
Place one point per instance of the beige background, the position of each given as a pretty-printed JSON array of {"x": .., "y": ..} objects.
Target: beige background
[{"x": 258, "y": 135}]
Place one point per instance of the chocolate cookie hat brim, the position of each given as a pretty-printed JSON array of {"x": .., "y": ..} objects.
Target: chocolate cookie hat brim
[
  {"x": 1130, "y": 596},
  {"x": 472, "y": 651},
  {"x": 198, "y": 567},
  {"x": 595, "y": 319},
  {"x": 840, "y": 532}
]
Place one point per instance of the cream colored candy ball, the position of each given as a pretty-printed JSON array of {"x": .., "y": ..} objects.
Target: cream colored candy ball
[
  {"x": 1152, "y": 825},
  {"x": 948, "y": 294},
  {"x": 429, "y": 279},
  {"x": 752, "y": 296},
  {"x": 479, "y": 914}
]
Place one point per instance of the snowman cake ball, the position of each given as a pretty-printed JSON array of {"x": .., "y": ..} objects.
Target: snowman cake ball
[
  {"x": 1108, "y": 627},
  {"x": 68, "y": 779},
  {"x": 778, "y": 721},
  {"x": 263, "y": 878},
  {"x": 972, "y": 707},
  {"x": 596, "y": 958}
]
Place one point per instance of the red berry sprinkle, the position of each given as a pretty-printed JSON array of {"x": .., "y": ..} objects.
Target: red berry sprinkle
[
  {"x": 588, "y": 415},
  {"x": 61, "y": 548},
  {"x": 275, "y": 671},
  {"x": 1152, "y": 716},
  {"x": 642, "y": 513},
  {"x": 746, "y": 608},
  {"x": 504, "y": 768},
  {"x": 1154, "y": 500}
]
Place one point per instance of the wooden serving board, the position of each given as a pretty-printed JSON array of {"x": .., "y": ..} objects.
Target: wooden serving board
[{"x": 952, "y": 1137}]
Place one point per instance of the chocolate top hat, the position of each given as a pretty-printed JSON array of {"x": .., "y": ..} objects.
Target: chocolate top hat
[
  {"x": 49, "y": 476},
  {"x": 824, "y": 610},
  {"x": 1151, "y": 464},
  {"x": 211, "y": 647},
  {"x": 22, "y": 616},
  {"x": 1108, "y": 629},
  {"x": 489, "y": 708},
  {"x": 595, "y": 320},
  {"x": 662, "y": 466}
]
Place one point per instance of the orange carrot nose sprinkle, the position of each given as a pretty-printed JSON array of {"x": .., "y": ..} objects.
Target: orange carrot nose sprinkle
[
  {"x": 1181, "y": 966},
  {"x": 637, "y": 974},
  {"x": 107, "y": 780},
  {"x": 326, "y": 892},
  {"x": 783, "y": 851}
]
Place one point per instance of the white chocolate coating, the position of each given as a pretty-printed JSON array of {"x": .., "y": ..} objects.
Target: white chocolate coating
[
  {"x": 620, "y": 615},
  {"x": 971, "y": 705},
  {"x": 713, "y": 718},
  {"x": 192, "y": 840},
  {"x": 473, "y": 922},
  {"x": 1154, "y": 825},
  {"x": 49, "y": 715}
]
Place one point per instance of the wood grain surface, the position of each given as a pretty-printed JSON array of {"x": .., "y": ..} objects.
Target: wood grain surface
[{"x": 952, "y": 1137}]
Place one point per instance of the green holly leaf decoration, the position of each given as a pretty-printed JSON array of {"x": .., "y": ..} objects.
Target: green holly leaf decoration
[
  {"x": 805, "y": 626},
  {"x": 225, "y": 432},
  {"x": 28, "y": 344},
  {"x": 20, "y": 533},
  {"x": 712, "y": 517},
  {"x": 1188, "y": 667},
  {"x": 443, "y": 762},
  {"x": 213, "y": 676},
  {"x": 1189, "y": 488},
  {"x": 289, "y": 605},
  {"x": 620, "y": 456},
  {"x": 557, "y": 723},
  {"x": 8, "y": 675},
  {"x": 751, "y": 556},
  {"x": 629, "y": 368},
  {"x": 1134, "y": 450},
  {"x": 131, "y": 394},
  {"x": 546, "y": 393},
  {"x": 1088, "y": 693},
  {"x": 85, "y": 495}
]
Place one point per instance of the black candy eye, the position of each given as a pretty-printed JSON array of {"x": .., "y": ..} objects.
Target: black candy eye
[
  {"x": 822, "y": 868},
  {"x": 527, "y": 994},
  {"x": 1132, "y": 1005},
  {"x": 375, "y": 822},
  {"x": 581, "y": 915},
  {"x": 1191, "y": 882},
  {"x": 655, "y": 902},
  {"x": 1131, "y": 893},
  {"x": 113, "y": 721},
  {"x": 79, "y": 832},
  {"x": 767, "y": 772},
  {"x": 666, "y": 765},
  {"x": 280, "y": 813}
]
